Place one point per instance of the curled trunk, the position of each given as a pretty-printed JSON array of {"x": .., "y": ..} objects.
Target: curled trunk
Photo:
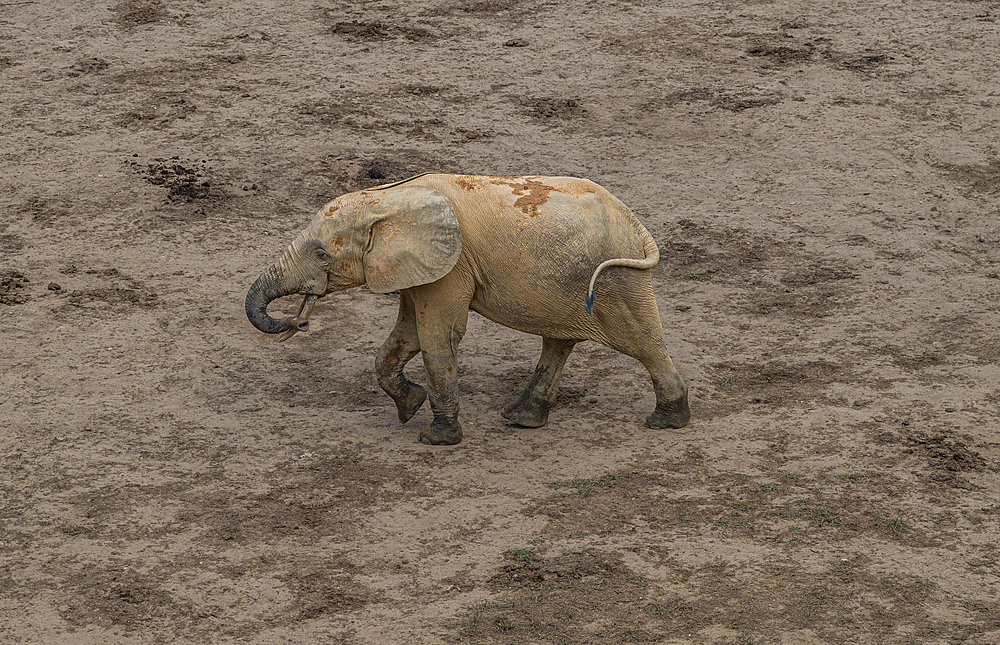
[{"x": 269, "y": 286}]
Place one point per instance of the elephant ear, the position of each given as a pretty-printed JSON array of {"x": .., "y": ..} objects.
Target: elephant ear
[{"x": 414, "y": 239}]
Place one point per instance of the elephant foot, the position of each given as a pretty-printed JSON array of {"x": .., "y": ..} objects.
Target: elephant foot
[
  {"x": 527, "y": 412},
  {"x": 440, "y": 434},
  {"x": 408, "y": 404},
  {"x": 671, "y": 414}
]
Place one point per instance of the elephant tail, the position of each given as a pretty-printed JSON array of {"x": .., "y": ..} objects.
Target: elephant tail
[
  {"x": 652, "y": 256},
  {"x": 401, "y": 182}
]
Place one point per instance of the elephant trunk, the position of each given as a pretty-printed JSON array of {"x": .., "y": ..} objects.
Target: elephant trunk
[{"x": 269, "y": 286}]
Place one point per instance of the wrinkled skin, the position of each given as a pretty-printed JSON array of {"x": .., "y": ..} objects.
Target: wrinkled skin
[{"x": 531, "y": 253}]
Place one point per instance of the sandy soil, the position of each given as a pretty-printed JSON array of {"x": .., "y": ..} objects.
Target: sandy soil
[{"x": 823, "y": 179}]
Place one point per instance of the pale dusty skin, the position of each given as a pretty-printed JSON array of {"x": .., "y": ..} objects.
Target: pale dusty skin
[
  {"x": 521, "y": 251},
  {"x": 821, "y": 179}
]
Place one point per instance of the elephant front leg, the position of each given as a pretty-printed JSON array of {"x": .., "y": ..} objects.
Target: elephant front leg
[
  {"x": 442, "y": 383},
  {"x": 440, "y": 333},
  {"x": 532, "y": 408},
  {"x": 442, "y": 310},
  {"x": 401, "y": 345}
]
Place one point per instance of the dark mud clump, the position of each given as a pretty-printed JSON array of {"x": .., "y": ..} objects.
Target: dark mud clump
[{"x": 12, "y": 288}]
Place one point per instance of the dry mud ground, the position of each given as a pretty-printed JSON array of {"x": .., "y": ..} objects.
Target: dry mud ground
[{"x": 823, "y": 179}]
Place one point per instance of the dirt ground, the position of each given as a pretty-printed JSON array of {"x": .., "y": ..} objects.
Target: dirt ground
[{"x": 824, "y": 182}]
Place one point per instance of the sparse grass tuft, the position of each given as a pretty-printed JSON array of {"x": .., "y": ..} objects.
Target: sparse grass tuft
[{"x": 586, "y": 486}]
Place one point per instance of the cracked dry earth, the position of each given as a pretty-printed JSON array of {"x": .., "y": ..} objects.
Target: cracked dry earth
[{"x": 824, "y": 183}]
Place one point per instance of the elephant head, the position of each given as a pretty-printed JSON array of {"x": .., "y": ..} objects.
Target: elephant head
[{"x": 390, "y": 238}]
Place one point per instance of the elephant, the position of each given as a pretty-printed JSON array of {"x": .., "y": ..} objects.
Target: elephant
[{"x": 557, "y": 257}]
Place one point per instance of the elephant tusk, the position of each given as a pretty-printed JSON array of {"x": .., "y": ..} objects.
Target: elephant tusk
[
  {"x": 288, "y": 333},
  {"x": 300, "y": 321}
]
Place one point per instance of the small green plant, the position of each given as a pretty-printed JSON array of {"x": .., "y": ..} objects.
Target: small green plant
[
  {"x": 945, "y": 516},
  {"x": 735, "y": 522},
  {"x": 975, "y": 519},
  {"x": 502, "y": 624},
  {"x": 770, "y": 487},
  {"x": 725, "y": 381},
  {"x": 522, "y": 555},
  {"x": 896, "y": 524}
]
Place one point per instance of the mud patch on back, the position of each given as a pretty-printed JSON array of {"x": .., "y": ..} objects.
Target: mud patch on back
[{"x": 531, "y": 193}]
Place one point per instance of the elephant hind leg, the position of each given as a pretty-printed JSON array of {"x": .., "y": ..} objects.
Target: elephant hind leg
[
  {"x": 401, "y": 346},
  {"x": 531, "y": 410},
  {"x": 669, "y": 413},
  {"x": 672, "y": 409},
  {"x": 632, "y": 327}
]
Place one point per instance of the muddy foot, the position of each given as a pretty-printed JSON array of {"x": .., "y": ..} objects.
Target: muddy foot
[
  {"x": 435, "y": 435},
  {"x": 673, "y": 414},
  {"x": 407, "y": 406},
  {"x": 527, "y": 412}
]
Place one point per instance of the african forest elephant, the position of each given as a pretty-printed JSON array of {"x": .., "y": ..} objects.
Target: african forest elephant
[{"x": 554, "y": 256}]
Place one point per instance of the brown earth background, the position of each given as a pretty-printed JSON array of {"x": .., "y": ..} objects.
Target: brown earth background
[{"x": 824, "y": 182}]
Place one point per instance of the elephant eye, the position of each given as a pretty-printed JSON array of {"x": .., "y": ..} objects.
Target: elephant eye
[{"x": 323, "y": 256}]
